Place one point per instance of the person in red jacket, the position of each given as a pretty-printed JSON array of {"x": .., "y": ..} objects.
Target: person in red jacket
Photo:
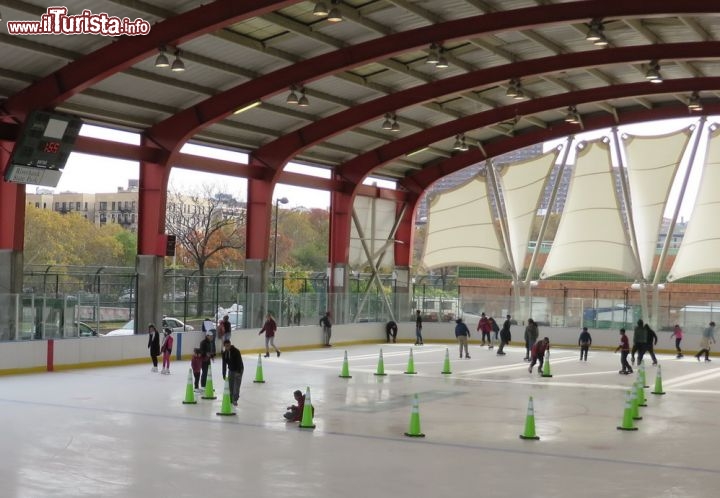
[
  {"x": 624, "y": 348},
  {"x": 538, "y": 354},
  {"x": 295, "y": 412},
  {"x": 269, "y": 327},
  {"x": 485, "y": 327}
]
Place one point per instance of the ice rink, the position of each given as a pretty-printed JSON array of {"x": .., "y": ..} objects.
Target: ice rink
[{"x": 124, "y": 431}]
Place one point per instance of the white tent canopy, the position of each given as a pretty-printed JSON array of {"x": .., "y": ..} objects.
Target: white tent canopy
[
  {"x": 461, "y": 229},
  {"x": 591, "y": 235},
  {"x": 700, "y": 247}
]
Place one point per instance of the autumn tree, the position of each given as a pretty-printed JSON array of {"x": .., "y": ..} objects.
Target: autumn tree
[
  {"x": 52, "y": 238},
  {"x": 303, "y": 238},
  {"x": 209, "y": 227}
]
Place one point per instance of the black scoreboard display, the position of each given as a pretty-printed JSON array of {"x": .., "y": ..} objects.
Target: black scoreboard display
[{"x": 43, "y": 148}]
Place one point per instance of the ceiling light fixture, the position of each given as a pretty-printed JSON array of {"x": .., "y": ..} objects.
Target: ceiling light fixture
[
  {"x": 515, "y": 90},
  {"x": 596, "y": 33},
  {"x": 653, "y": 73},
  {"x": 433, "y": 55},
  {"x": 248, "y": 107},
  {"x": 387, "y": 124},
  {"x": 178, "y": 65},
  {"x": 694, "y": 103},
  {"x": 320, "y": 9},
  {"x": 395, "y": 125},
  {"x": 442, "y": 62},
  {"x": 292, "y": 97},
  {"x": 334, "y": 15},
  {"x": 303, "y": 100},
  {"x": 161, "y": 60},
  {"x": 572, "y": 115}
]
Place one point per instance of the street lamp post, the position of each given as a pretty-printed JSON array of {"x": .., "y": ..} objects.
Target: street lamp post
[{"x": 281, "y": 200}]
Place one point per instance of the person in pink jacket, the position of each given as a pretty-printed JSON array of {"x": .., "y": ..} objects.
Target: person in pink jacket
[
  {"x": 678, "y": 335},
  {"x": 166, "y": 350}
]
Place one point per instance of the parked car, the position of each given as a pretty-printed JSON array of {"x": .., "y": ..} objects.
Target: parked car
[
  {"x": 173, "y": 323},
  {"x": 234, "y": 313},
  {"x": 85, "y": 330}
]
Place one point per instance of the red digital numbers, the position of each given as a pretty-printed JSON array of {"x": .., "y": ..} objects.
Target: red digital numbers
[{"x": 51, "y": 147}]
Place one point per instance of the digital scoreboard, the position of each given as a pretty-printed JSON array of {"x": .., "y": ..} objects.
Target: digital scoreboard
[{"x": 43, "y": 148}]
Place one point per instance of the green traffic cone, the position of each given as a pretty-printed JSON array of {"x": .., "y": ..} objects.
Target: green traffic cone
[
  {"x": 189, "y": 391},
  {"x": 640, "y": 393},
  {"x": 307, "y": 416},
  {"x": 446, "y": 363},
  {"x": 345, "y": 374},
  {"x": 259, "y": 372},
  {"x": 627, "y": 421},
  {"x": 414, "y": 430},
  {"x": 226, "y": 408},
  {"x": 209, "y": 390},
  {"x": 641, "y": 374},
  {"x": 546, "y": 365},
  {"x": 380, "y": 365},
  {"x": 411, "y": 364},
  {"x": 634, "y": 403},
  {"x": 658, "y": 383},
  {"x": 529, "y": 432}
]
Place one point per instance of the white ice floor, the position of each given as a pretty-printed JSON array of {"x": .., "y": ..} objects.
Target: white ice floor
[{"x": 124, "y": 432}]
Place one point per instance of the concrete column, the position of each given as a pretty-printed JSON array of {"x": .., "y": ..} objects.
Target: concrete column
[
  {"x": 150, "y": 270},
  {"x": 256, "y": 271},
  {"x": 11, "y": 280},
  {"x": 402, "y": 298}
]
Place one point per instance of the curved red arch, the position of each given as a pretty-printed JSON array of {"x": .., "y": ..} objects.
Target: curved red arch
[
  {"x": 421, "y": 180},
  {"x": 276, "y": 153},
  {"x": 104, "y": 62},
  {"x": 172, "y": 132},
  {"x": 355, "y": 170}
]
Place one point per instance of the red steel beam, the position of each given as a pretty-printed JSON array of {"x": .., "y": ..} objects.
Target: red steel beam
[
  {"x": 276, "y": 153},
  {"x": 175, "y": 130},
  {"x": 120, "y": 55},
  {"x": 421, "y": 180},
  {"x": 355, "y": 170}
]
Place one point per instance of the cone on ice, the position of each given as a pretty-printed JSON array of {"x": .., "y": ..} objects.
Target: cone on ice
[
  {"x": 411, "y": 364},
  {"x": 380, "y": 365},
  {"x": 658, "y": 383},
  {"x": 446, "y": 363},
  {"x": 307, "y": 416},
  {"x": 259, "y": 372},
  {"x": 345, "y": 373},
  {"x": 226, "y": 408},
  {"x": 414, "y": 429},
  {"x": 546, "y": 365},
  {"x": 627, "y": 421},
  {"x": 641, "y": 374},
  {"x": 529, "y": 432},
  {"x": 209, "y": 389},
  {"x": 634, "y": 403},
  {"x": 640, "y": 393},
  {"x": 189, "y": 391}
]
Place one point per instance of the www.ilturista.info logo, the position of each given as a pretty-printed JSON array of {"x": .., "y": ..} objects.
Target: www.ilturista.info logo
[{"x": 56, "y": 21}]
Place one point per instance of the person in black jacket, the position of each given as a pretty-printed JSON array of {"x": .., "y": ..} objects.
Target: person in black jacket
[
  {"x": 154, "y": 345},
  {"x": 584, "y": 341},
  {"x": 207, "y": 351},
  {"x": 505, "y": 336},
  {"x": 651, "y": 342},
  {"x": 391, "y": 330},
  {"x": 233, "y": 367}
]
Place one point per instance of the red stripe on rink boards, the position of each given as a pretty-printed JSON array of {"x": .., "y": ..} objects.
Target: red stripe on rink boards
[{"x": 50, "y": 351}]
